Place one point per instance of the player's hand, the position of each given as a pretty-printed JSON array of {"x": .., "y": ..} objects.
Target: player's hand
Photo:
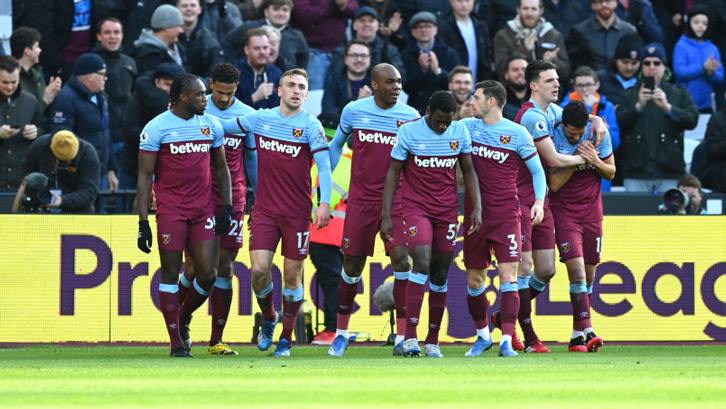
[
  {"x": 223, "y": 220},
  {"x": 537, "y": 213},
  {"x": 598, "y": 130},
  {"x": 474, "y": 222},
  {"x": 322, "y": 215},
  {"x": 145, "y": 238},
  {"x": 588, "y": 152},
  {"x": 386, "y": 229}
]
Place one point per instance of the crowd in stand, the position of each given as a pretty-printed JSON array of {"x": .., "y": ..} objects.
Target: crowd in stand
[{"x": 102, "y": 68}]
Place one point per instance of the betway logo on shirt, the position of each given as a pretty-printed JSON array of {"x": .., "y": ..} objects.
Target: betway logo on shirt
[
  {"x": 484, "y": 152},
  {"x": 277, "y": 146},
  {"x": 435, "y": 162},
  {"x": 189, "y": 147},
  {"x": 232, "y": 143},
  {"x": 377, "y": 137}
]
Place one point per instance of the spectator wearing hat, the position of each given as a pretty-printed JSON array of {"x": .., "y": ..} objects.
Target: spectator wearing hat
[
  {"x": 81, "y": 108},
  {"x": 469, "y": 37},
  {"x": 72, "y": 168},
  {"x": 158, "y": 45},
  {"x": 593, "y": 41},
  {"x": 622, "y": 71},
  {"x": 640, "y": 14},
  {"x": 428, "y": 61},
  {"x": 323, "y": 23},
  {"x": 365, "y": 28},
  {"x": 697, "y": 61},
  {"x": 351, "y": 82},
  {"x": 293, "y": 46},
  {"x": 392, "y": 27},
  {"x": 199, "y": 48},
  {"x": 652, "y": 122},
  {"x": 21, "y": 121}
]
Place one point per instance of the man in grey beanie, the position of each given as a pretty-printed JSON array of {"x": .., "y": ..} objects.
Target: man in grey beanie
[{"x": 158, "y": 44}]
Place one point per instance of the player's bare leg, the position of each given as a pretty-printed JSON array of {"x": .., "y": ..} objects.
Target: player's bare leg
[
  {"x": 509, "y": 306},
  {"x": 204, "y": 255},
  {"x": 401, "y": 263},
  {"x": 580, "y": 304},
  {"x": 414, "y": 297},
  {"x": 594, "y": 343},
  {"x": 439, "y": 269},
  {"x": 221, "y": 300},
  {"x": 169, "y": 299},
  {"x": 478, "y": 304},
  {"x": 292, "y": 297},
  {"x": 261, "y": 261}
]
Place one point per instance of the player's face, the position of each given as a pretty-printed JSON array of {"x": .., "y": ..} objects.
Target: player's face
[
  {"x": 387, "y": 86},
  {"x": 190, "y": 10},
  {"x": 222, "y": 93},
  {"x": 480, "y": 103},
  {"x": 573, "y": 133},
  {"x": 110, "y": 36},
  {"x": 530, "y": 12},
  {"x": 627, "y": 67},
  {"x": 194, "y": 95},
  {"x": 293, "y": 91},
  {"x": 461, "y": 86},
  {"x": 278, "y": 15},
  {"x": 258, "y": 51},
  {"x": 366, "y": 27},
  {"x": 548, "y": 86},
  {"x": 439, "y": 121},
  {"x": 9, "y": 82}
]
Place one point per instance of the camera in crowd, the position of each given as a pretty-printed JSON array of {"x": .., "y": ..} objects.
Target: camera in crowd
[
  {"x": 677, "y": 201},
  {"x": 36, "y": 194}
]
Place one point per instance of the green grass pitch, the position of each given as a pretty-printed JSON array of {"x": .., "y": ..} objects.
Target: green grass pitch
[{"x": 692, "y": 376}]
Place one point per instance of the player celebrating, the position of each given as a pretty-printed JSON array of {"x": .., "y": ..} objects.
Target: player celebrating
[
  {"x": 499, "y": 146},
  {"x": 373, "y": 123},
  {"x": 576, "y": 205},
  {"x": 287, "y": 140},
  {"x": 427, "y": 151},
  {"x": 239, "y": 151},
  {"x": 175, "y": 147}
]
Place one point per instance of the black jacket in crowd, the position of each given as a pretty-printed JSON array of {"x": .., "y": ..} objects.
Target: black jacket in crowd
[
  {"x": 121, "y": 72},
  {"x": 716, "y": 149},
  {"x": 449, "y": 32},
  {"x": 420, "y": 85}
]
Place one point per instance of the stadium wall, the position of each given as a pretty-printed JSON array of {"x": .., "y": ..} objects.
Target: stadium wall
[{"x": 81, "y": 278}]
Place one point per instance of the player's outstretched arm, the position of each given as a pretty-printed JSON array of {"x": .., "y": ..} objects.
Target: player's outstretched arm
[
  {"x": 325, "y": 176},
  {"x": 471, "y": 183},
  {"x": 554, "y": 159},
  {"x": 389, "y": 190},
  {"x": 231, "y": 125},
  {"x": 147, "y": 163}
]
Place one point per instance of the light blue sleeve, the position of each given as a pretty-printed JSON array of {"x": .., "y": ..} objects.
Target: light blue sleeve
[
  {"x": 251, "y": 165},
  {"x": 605, "y": 148},
  {"x": 325, "y": 176},
  {"x": 536, "y": 124},
  {"x": 342, "y": 133},
  {"x": 218, "y": 132},
  {"x": 525, "y": 144},
  {"x": 244, "y": 124},
  {"x": 149, "y": 139},
  {"x": 538, "y": 177},
  {"x": 316, "y": 137},
  {"x": 400, "y": 150},
  {"x": 465, "y": 140}
]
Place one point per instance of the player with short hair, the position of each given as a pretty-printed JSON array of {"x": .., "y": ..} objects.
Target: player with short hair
[
  {"x": 499, "y": 147},
  {"x": 426, "y": 153},
  {"x": 240, "y": 152},
  {"x": 576, "y": 203},
  {"x": 175, "y": 148},
  {"x": 373, "y": 123},
  {"x": 287, "y": 140}
]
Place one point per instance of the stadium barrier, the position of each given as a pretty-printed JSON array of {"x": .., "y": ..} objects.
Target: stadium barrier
[{"x": 81, "y": 278}]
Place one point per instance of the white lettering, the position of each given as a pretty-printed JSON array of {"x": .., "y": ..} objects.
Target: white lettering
[
  {"x": 435, "y": 162},
  {"x": 232, "y": 143},
  {"x": 277, "y": 146},
  {"x": 189, "y": 147},
  {"x": 484, "y": 152},
  {"x": 377, "y": 137}
]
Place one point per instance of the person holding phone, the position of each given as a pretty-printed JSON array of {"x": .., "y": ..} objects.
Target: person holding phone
[{"x": 652, "y": 118}]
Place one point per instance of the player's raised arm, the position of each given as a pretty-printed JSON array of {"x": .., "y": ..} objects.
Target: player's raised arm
[
  {"x": 472, "y": 189},
  {"x": 325, "y": 176}
]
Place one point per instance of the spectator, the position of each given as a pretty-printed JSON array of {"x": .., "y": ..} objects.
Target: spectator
[
  {"x": 21, "y": 121},
  {"x": 199, "y": 48},
  {"x": 461, "y": 84},
  {"x": 250, "y": 9},
  {"x": 391, "y": 26},
  {"x": 275, "y": 58},
  {"x": 409, "y": 8},
  {"x": 120, "y": 73},
  {"x": 652, "y": 122},
  {"x": 81, "y": 108},
  {"x": 530, "y": 35},
  {"x": 564, "y": 14},
  {"x": 136, "y": 15},
  {"x": 365, "y": 28},
  {"x": 258, "y": 79},
  {"x": 352, "y": 82},
  {"x": 516, "y": 85},
  {"x": 427, "y": 61},
  {"x": 716, "y": 149},
  {"x": 158, "y": 45},
  {"x": 622, "y": 71},
  {"x": 696, "y": 61},
  {"x": 640, "y": 14},
  {"x": 25, "y": 47},
  {"x": 323, "y": 23},
  {"x": 496, "y": 13},
  {"x": 593, "y": 41},
  {"x": 469, "y": 37},
  {"x": 151, "y": 97},
  {"x": 220, "y": 17},
  {"x": 71, "y": 166},
  {"x": 586, "y": 84},
  {"x": 293, "y": 46}
]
